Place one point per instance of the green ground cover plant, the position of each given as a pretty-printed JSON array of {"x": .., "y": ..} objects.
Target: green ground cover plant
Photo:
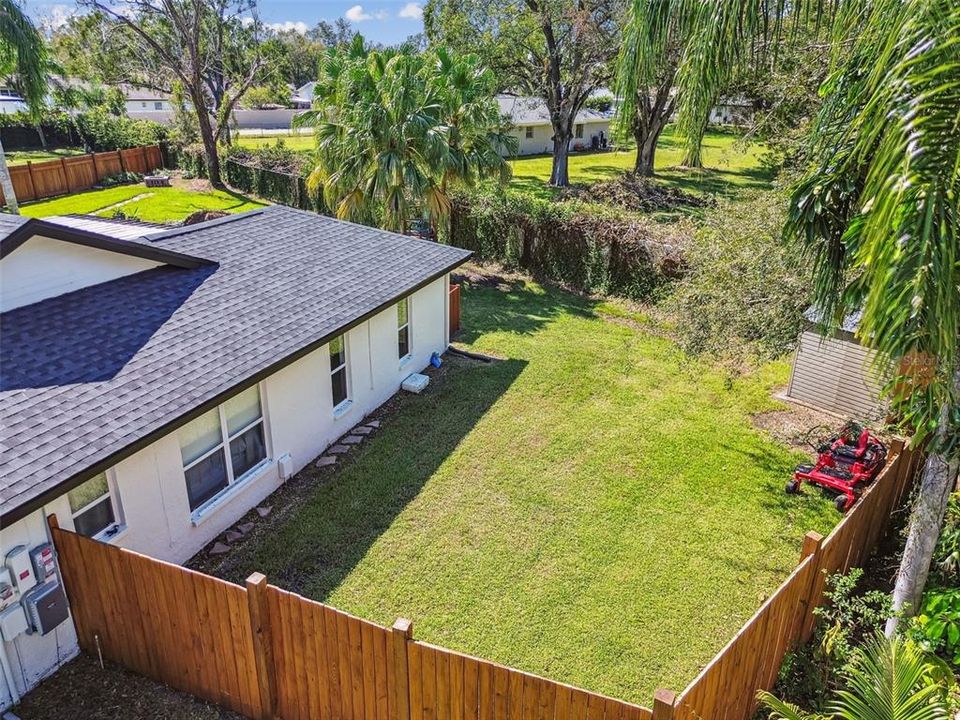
[{"x": 593, "y": 507}]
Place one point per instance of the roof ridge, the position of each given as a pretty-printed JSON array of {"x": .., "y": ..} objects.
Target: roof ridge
[{"x": 185, "y": 229}]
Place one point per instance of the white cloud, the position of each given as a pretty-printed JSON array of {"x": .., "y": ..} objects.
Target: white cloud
[
  {"x": 412, "y": 10},
  {"x": 57, "y": 16},
  {"x": 358, "y": 14},
  {"x": 299, "y": 26}
]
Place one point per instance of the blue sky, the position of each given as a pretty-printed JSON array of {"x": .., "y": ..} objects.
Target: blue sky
[{"x": 384, "y": 21}]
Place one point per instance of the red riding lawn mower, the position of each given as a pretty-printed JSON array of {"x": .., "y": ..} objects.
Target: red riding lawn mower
[{"x": 847, "y": 462}]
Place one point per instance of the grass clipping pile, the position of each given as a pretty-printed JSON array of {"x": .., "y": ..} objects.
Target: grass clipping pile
[{"x": 635, "y": 192}]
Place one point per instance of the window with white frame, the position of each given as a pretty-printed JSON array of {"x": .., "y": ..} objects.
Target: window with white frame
[
  {"x": 403, "y": 328},
  {"x": 221, "y": 445},
  {"x": 578, "y": 130},
  {"x": 158, "y": 105},
  {"x": 92, "y": 506},
  {"x": 529, "y": 132},
  {"x": 339, "y": 385}
]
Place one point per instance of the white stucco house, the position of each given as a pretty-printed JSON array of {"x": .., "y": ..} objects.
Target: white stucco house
[
  {"x": 142, "y": 100},
  {"x": 530, "y": 120},
  {"x": 157, "y": 383}
]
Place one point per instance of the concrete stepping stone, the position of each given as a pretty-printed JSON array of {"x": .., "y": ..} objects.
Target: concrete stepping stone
[
  {"x": 326, "y": 461},
  {"x": 373, "y": 424},
  {"x": 219, "y": 549},
  {"x": 246, "y": 528},
  {"x": 352, "y": 440},
  {"x": 232, "y": 536},
  {"x": 361, "y": 430},
  {"x": 264, "y": 511},
  {"x": 338, "y": 449}
]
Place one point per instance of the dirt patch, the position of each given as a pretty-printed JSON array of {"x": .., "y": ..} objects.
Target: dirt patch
[
  {"x": 798, "y": 426},
  {"x": 635, "y": 192},
  {"x": 83, "y": 689}
]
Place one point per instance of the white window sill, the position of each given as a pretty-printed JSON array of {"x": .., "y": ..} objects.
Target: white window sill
[
  {"x": 342, "y": 409},
  {"x": 405, "y": 360},
  {"x": 119, "y": 530},
  {"x": 210, "y": 507}
]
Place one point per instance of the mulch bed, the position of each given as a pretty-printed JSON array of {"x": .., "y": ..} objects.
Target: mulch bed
[
  {"x": 81, "y": 689},
  {"x": 635, "y": 192}
]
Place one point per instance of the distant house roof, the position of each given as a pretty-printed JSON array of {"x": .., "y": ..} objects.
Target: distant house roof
[
  {"x": 304, "y": 93},
  {"x": 134, "y": 93},
  {"x": 524, "y": 110},
  {"x": 850, "y": 323},
  {"x": 91, "y": 376}
]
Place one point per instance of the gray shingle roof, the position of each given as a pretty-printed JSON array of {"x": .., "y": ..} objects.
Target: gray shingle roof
[
  {"x": 88, "y": 377},
  {"x": 524, "y": 110}
]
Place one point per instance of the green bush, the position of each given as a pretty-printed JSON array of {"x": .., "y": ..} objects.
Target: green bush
[
  {"x": 582, "y": 246},
  {"x": 19, "y": 131},
  {"x": 100, "y": 131},
  {"x": 275, "y": 173},
  {"x": 747, "y": 287}
]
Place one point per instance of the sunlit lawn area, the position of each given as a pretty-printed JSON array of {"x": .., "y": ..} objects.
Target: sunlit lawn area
[
  {"x": 728, "y": 166},
  {"x": 301, "y": 141},
  {"x": 594, "y": 507},
  {"x": 21, "y": 157},
  {"x": 170, "y": 204}
]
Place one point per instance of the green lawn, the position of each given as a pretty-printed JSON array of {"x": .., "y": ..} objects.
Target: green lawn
[
  {"x": 142, "y": 203},
  {"x": 727, "y": 166},
  {"x": 21, "y": 157},
  {"x": 594, "y": 507},
  {"x": 301, "y": 141}
]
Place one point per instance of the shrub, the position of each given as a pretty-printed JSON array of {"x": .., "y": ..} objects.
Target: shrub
[
  {"x": 101, "y": 131},
  {"x": 586, "y": 247},
  {"x": 603, "y": 103},
  {"x": 747, "y": 286},
  {"x": 275, "y": 173},
  {"x": 123, "y": 178},
  {"x": 19, "y": 130}
]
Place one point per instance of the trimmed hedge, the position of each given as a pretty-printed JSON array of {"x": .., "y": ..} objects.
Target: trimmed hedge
[
  {"x": 583, "y": 246},
  {"x": 273, "y": 173},
  {"x": 97, "y": 130}
]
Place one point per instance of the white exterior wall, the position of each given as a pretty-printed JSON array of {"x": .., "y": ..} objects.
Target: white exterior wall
[
  {"x": 541, "y": 143},
  {"x": 242, "y": 119},
  {"x": 135, "y": 106},
  {"x": 43, "y": 268},
  {"x": 298, "y": 411}
]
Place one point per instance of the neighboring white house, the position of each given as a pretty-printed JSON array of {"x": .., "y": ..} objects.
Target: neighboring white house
[
  {"x": 530, "y": 119},
  {"x": 156, "y": 383},
  {"x": 735, "y": 110},
  {"x": 302, "y": 98},
  {"x": 142, "y": 100},
  {"x": 11, "y": 104}
]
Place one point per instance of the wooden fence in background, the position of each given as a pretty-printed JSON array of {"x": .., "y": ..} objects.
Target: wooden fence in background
[
  {"x": 266, "y": 653},
  {"x": 726, "y": 689},
  {"x": 34, "y": 181}
]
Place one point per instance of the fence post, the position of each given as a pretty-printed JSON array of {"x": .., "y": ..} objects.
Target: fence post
[
  {"x": 123, "y": 166},
  {"x": 664, "y": 703},
  {"x": 812, "y": 545},
  {"x": 402, "y": 634},
  {"x": 262, "y": 643}
]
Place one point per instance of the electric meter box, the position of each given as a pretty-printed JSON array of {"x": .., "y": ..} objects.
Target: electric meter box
[
  {"x": 13, "y": 622},
  {"x": 8, "y": 593},
  {"x": 44, "y": 562},
  {"x": 46, "y": 607},
  {"x": 20, "y": 567}
]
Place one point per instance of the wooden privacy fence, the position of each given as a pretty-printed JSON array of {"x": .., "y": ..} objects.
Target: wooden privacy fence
[
  {"x": 35, "y": 181},
  {"x": 726, "y": 689},
  {"x": 267, "y": 653}
]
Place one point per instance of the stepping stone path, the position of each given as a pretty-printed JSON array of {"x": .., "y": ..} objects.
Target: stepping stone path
[
  {"x": 373, "y": 424},
  {"x": 233, "y": 536},
  {"x": 352, "y": 440},
  {"x": 264, "y": 511},
  {"x": 219, "y": 549},
  {"x": 338, "y": 449},
  {"x": 326, "y": 460},
  {"x": 362, "y": 430},
  {"x": 246, "y": 528}
]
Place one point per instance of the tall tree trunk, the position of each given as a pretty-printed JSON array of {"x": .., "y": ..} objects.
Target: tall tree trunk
[
  {"x": 209, "y": 140},
  {"x": 559, "y": 174},
  {"x": 647, "y": 138},
  {"x": 926, "y": 520},
  {"x": 7, "y": 184}
]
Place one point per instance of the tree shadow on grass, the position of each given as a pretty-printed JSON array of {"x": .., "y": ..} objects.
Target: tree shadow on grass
[{"x": 329, "y": 528}]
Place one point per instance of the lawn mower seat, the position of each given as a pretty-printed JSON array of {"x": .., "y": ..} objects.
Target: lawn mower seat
[{"x": 854, "y": 452}]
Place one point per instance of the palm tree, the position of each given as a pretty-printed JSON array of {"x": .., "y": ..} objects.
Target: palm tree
[
  {"x": 394, "y": 129},
  {"x": 878, "y": 207},
  {"x": 889, "y": 680},
  {"x": 22, "y": 52}
]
